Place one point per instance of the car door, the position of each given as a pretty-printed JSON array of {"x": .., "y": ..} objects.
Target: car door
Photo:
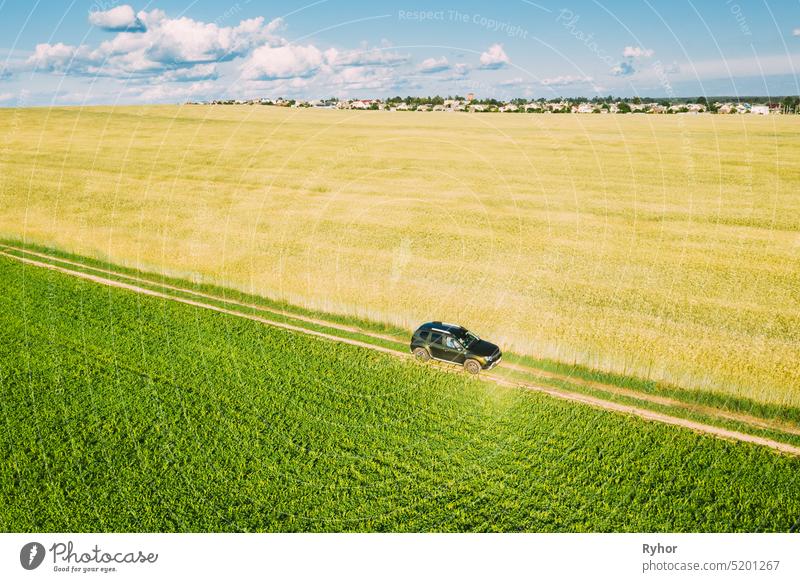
[
  {"x": 437, "y": 346},
  {"x": 454, "y": 350},
  {"x": 446, "y": 347}
]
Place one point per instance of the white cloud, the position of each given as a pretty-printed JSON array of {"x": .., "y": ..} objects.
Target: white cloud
[
  {"x": 565, "y": 80},
  {"x": 457, "y": 72},
  {"x": 6, "y": 97},
  {"x": 358, "y": 80},
  {"x": 378, "y": 56},
  {"x": 151, "y": 18},
  {"x": 494, "y": 57},
  {"x": 511, "y": 82},
  {"x": 56, "y": 57},
  {"x": 172, "y": 93},
  {"x": 289, "y": 68},
  {"x": 183, "y": 40},
  {"x": 205, "y": 72},
  {"x": 624, "y": 69},
  {"x": 162, "y": 44},
  {"x": 461, "y": 69},
  {"x": 376, "y": 79},
  {"x": 346, "y": 81},
  {"x": 796, "y": 32},
  {"x": 184, "y": 55},
  {"x": 282, "y": 62},
  {"x": 636, "y": 52},
  {"x": 433, "y": 65},
  {"x": 117, "y": 19}
]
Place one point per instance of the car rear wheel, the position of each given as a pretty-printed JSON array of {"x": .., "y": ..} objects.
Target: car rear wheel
[
  {"x": 472, "y": 366},
  {"x": 422, "y": 354}
]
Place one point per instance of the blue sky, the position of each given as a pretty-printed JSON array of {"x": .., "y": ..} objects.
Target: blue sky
[{"x": 77, "y": 52}]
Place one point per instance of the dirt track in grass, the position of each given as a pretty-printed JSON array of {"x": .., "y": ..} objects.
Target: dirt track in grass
[
  {"x": 563, "y": 394},
  {"x": 754, "y": 421}
]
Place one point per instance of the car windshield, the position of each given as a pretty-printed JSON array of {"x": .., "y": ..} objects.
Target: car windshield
[{"x": 468, "y": 339}]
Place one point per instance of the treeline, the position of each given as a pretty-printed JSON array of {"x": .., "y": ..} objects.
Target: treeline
[{"x": 789, "y": 104}]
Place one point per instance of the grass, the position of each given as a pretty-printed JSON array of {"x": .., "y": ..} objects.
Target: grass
[
  {"x": 663, "y": 248},
  {"x": 130, "y": 413},
  {"x": 569, "y": 376}
]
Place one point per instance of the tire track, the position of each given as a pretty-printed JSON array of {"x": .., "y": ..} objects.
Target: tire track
[
  {"x": 754, "y": 421},
  {"x": 595, "y": 402}
]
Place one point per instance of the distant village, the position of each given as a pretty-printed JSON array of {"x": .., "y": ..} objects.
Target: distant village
[{"x": 599, "y": 105}]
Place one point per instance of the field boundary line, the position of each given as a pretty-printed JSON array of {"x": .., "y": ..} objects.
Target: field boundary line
[
  {"x": 613, "y": 389},
  {"x": 647, "y": 414},
  {"x": 755, "y": 421},
  {"x": 160, "y": 295},
  {"x": 254, "y": 306},
  {"x": 558, "y": 393}
]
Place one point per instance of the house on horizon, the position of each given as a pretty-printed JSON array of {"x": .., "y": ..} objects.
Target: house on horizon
[
  {"x": 583, "y": 108},
  {"x": 364, "y": 103}
]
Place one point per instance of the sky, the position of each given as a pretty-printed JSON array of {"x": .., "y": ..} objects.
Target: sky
[{"x": 74, "y": 52}]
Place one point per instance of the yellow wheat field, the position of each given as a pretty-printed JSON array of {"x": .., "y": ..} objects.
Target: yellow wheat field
[{"x": 661, "y": 246}]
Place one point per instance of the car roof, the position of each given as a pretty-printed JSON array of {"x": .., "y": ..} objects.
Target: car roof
[{"x": 442, "y": 326}]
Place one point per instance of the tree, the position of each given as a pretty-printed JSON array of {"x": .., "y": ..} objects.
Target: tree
[
  {"x": 790, "y": 104},
  {"x": 624, "y": 108},
  {"x": 702, "y": 101}
]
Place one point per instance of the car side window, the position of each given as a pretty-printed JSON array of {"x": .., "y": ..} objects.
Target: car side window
[
  {"x": 451, "y": 343},
  {"x": 436, "y": 338},
  {"x": 424, "y": 335}
]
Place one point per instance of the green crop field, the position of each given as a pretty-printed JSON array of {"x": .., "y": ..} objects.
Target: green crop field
[
  {"x": 123, "y": 412},
  {"x": 665, "y": 248}
]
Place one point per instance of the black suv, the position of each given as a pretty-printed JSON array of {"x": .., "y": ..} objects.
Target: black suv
[{"x": 454, "y": 344}]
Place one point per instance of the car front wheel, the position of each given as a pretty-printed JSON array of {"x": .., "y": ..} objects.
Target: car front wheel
[
  {"x": 422, "y": 354},
  {"x": 472, "y": 366}
]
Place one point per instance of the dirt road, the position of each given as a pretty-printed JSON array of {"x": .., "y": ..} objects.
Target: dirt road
[{"x": 557, "y": 393}]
